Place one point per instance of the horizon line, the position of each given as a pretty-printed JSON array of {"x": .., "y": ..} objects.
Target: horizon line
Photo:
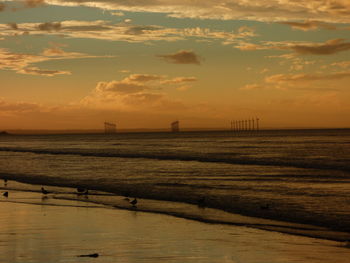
[{"x": 150, "y": 130}]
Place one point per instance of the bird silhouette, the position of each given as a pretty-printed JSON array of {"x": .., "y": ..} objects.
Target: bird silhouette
[
  {"x": 82, "y": 191},
  {"x": 6, "y": 194},
  {"x": 134, "y": 202},
  {"x": 44, "y": 191}
]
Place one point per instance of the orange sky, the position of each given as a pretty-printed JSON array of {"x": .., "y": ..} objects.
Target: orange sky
[{"x": 69, "y": 64}]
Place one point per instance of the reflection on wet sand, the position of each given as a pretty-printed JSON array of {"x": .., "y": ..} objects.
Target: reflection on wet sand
[{"x": 60, "y": 230}]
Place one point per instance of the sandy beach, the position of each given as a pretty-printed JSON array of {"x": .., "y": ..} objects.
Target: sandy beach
[{"x": 47, "y": 229}]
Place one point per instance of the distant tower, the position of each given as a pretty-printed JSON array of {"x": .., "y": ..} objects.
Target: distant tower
[
  {"x": 110, "y": 128},
  {"x": 175, "y": 126},
  {"x": 253, "y": 127},
  {"x": 257, "y": 124}
]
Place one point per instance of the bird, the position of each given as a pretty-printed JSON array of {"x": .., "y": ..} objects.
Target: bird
[
  {"x": 44, "y": 191},
  {"x": 82, "y": 191},
  {"x": 133, "y": 202},
  {"x": 6, "y": 194}
]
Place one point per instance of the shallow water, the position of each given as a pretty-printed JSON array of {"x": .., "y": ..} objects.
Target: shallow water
[
  {"x": 303, "y": 175},
  {"x": 59, "y": 230}
]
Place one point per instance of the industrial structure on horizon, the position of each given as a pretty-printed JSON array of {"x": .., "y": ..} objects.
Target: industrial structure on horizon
[
  {"x": 110, "y": 128},
  {"x": 245, "y": 125},
  {"x": 175, "y": 126}
]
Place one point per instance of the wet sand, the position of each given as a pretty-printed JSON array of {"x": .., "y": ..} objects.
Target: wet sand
[{"x": 37, "y": 229}]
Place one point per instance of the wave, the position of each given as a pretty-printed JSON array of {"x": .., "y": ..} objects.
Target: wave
[
  {"x": 29, "y": 194},
  {"x": 200, "y": 157},
  {"x": 226, "y": 201}
]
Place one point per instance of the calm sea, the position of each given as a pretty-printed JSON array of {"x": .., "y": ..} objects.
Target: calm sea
[{"x": 300, "y": 176}]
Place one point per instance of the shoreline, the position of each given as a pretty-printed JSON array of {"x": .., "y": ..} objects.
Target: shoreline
[
  {"x": 185, "y": 211},
  {"x": 42, "y": 229}
]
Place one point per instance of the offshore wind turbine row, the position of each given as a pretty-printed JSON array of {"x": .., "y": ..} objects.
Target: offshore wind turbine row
[{"x": 245, "y": 125}]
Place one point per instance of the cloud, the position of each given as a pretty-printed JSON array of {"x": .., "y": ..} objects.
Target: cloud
[
  {"x": 302, "y": 82},
  {"x": 136, "y": 83},
  {"x": 258, "y": 10},
  {"x": 104, "y": 30},
  {"x": 329, "y": 47},
  {"x": 24, "y": 63},
  {"x": 42, "y": 72},
  {"x": 34, "y": 3},
  {"x": 253, "y": 87},
  {"x": 123, "y": 87},
  {"x": 117, "y": 14},
  {"x": 182, "y": 57},
  {"x": 143, "y": 77},
  {"x": 280, "y": 78},
  {"x": 179, "y": 80},
  {"x": 13, "y": 26},
  {"x": 309, "y": 25},
  {"x": 17, "y": 107},
  {"x": 134, "y": 93},
  {"x": 341, "y": 64},
  {"x": 49, "y": 26}
]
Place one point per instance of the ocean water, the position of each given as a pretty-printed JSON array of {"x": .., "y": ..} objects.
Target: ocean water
[{"x": 297, "y": 176}]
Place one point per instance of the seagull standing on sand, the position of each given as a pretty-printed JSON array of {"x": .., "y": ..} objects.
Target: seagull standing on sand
[
  {"x": 6, "y": 194},
  {"x": 44, "y": 191},
  {"x": 134, "y": 202},
  {"x": 82, "y": 191}
]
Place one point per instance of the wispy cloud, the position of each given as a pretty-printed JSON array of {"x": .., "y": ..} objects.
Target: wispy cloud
[
  {"x": 341, "y": 64},
  {"x": 24, "y": 63},
  {"x": 289, "y": 78},
  {"x": 12, "y": 109},
  {"x": 42, "y": 72},
  {"x": 309, "y": 25},
  {"x": 34, "y": 3},
  {"x": 302, "y": 81},
  {"x": 124, "y": 31},
  {"x": 182, "y": 57},
  {"x": 117, "y": 14},
  {"x": 329, "y": 47},
  {"x": 179, "y": 80},
  {"x": 259, "y": 10}
]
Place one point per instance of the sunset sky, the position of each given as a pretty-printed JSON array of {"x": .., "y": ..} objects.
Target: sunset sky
[{"x": 73, "y": 64}]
